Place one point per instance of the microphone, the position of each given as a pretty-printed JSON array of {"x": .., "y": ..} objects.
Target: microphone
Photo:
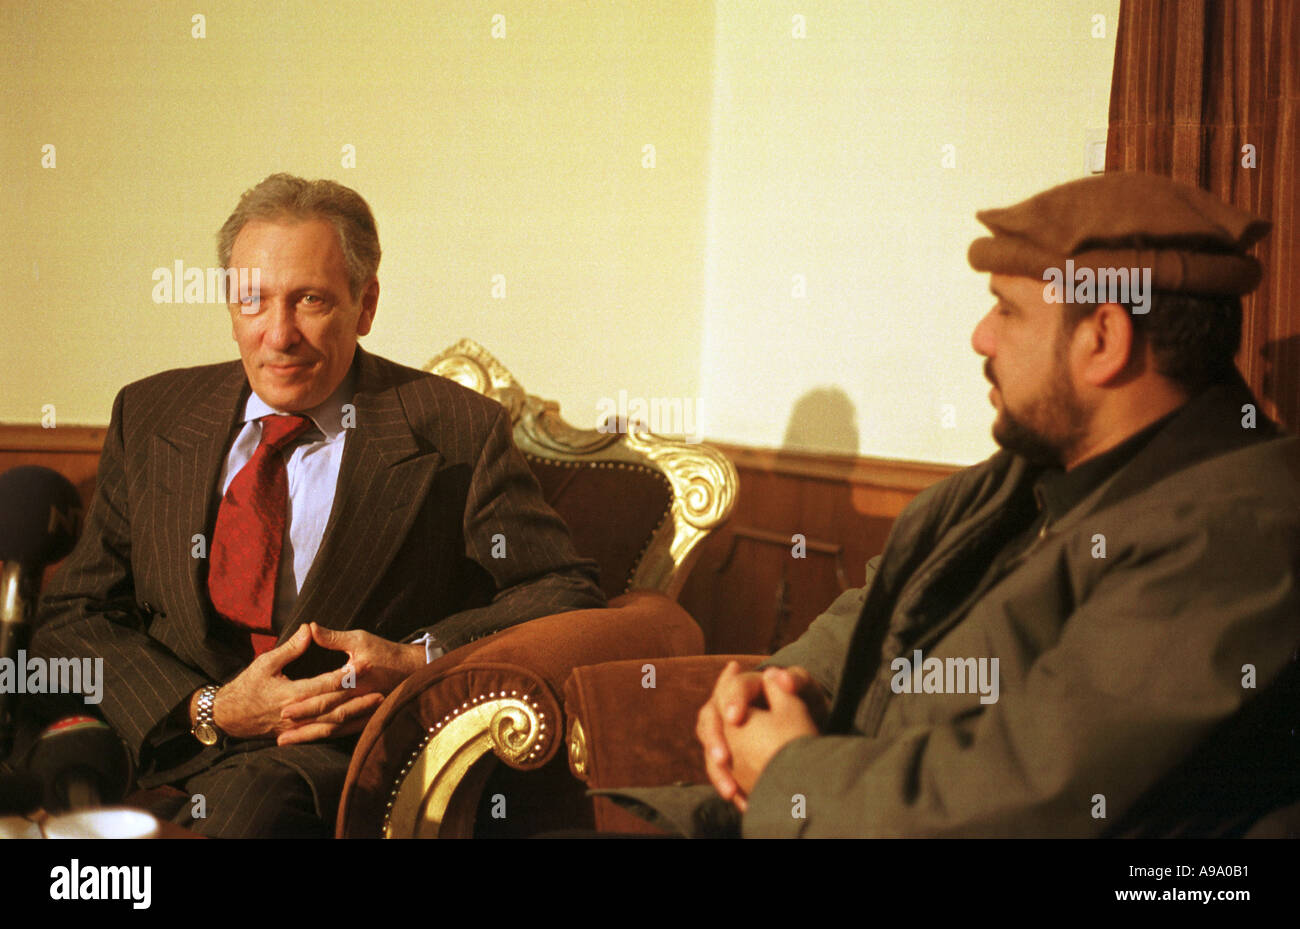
[
  {"x": 40, "y": 516},
  {"x": 82, "y": 763}
]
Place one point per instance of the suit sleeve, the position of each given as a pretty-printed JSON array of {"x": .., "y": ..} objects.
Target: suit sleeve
[
  {"x": 1145, "y": 668},
  {"x": 90, "y": 610},
  {"x": 520, "y": 541}
]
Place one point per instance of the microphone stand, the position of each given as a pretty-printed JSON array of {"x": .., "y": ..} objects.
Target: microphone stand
[{"x": 18, "y": 589}]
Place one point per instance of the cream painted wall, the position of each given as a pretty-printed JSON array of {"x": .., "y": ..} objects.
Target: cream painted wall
[
  {"x": 828, "y": 163},
  {"x": 775, "y": 156},
  {"x": 519, "y": 156}
]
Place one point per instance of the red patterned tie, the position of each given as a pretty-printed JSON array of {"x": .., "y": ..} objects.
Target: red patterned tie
[{"x": 246, "y": 543}]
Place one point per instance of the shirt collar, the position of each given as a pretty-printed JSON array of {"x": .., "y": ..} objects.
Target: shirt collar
[
  {"x": 1058, "y": 491},
  {"x": 328, "y": 415}
]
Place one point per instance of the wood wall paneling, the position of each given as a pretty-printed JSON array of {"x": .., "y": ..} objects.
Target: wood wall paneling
[
  {"x": 73, "y": 451},
  {"x": 748, "y": 591}
]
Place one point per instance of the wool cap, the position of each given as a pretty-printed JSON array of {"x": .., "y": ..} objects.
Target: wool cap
[{"x": 1191, "y": 240}]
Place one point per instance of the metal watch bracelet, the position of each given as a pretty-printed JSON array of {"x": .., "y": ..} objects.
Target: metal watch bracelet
[{"x": 205, "y": 729}]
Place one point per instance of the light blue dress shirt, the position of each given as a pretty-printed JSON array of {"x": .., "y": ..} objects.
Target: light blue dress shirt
[{"x": 312, "y": 461}]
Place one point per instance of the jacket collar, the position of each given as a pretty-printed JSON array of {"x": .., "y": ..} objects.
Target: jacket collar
[{"x": 1209, "y": 424}]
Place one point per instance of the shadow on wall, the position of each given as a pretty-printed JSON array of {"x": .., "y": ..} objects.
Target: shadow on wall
[
  {"x": 823, "y": 420},
  {"x": 806, "y": 557},
  {"x": 802, "y": 531}
]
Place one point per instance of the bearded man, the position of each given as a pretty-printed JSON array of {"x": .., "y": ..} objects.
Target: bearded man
[{"x": 1126, "y": 568}]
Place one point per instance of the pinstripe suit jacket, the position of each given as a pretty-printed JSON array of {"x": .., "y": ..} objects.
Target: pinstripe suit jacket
[{"x": 429, "y": 476}]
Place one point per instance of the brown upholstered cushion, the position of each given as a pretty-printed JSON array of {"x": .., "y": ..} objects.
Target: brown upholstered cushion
[
  {"x": 611, "y": 509},
  {"x": 638, "y": 736}
]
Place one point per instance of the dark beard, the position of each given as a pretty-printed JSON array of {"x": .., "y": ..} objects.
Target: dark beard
[
  {"x": 1059, "y": 412},
  {"x": 1033, "y": 446}
]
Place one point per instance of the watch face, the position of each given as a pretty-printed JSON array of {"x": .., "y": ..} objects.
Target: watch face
[{"x": 206, "y": 733}]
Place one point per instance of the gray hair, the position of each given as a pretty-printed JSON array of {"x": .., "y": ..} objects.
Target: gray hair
[{"x": 283, "y": 195}]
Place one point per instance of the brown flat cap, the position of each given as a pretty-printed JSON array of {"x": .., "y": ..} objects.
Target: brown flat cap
[{"x": 1191, "y": 240}]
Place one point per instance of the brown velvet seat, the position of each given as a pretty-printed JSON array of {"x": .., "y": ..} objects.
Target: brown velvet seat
[
  {"x": 622, "y": 733},
  {"x": 611, "y": 512}
]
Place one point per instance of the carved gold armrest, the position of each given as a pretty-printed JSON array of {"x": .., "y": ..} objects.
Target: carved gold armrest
[
  {"x": 436, "y": 793},
  {"x": 420, "y": 767}
]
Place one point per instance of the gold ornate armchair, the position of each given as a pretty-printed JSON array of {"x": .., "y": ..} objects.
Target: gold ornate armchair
[{"x": 473, "y": 744}]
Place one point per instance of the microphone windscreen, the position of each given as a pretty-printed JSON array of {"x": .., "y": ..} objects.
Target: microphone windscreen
[
  {"x": 85, "y": 749},
  {"x": 40, "y": 515}
]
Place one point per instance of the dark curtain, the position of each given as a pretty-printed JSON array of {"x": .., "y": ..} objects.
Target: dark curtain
[{"x": 1195, "y": 82}]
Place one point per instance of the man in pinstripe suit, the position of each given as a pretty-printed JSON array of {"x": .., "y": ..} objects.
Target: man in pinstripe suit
[{"x": 411, "y": 526}]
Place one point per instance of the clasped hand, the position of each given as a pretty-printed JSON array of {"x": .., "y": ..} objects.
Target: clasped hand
[
  {"x": 262, "y": 702},
  {"x": 749, "y": 717}
]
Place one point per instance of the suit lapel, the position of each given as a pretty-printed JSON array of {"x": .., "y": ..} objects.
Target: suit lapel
[
  {"x": 382, "y": 484},
  {"x": 924, "y": 552},
  {"x": 188, "y": 455},
  {"x": 962, "y": 540}
]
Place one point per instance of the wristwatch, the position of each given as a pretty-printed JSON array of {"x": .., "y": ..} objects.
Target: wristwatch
[{"x": 205, "y": 729}]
